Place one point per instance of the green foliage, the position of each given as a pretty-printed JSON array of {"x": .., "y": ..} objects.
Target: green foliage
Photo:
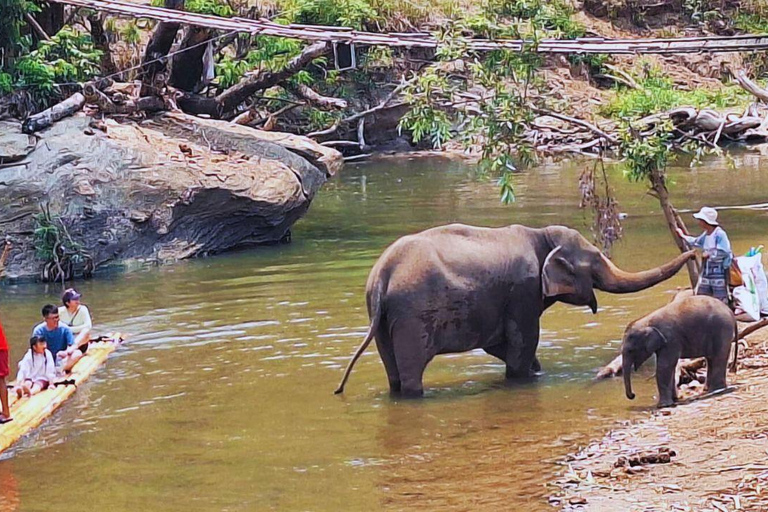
[
  {"x": 46, "y": 234},
  {"x": 425, "y": 119},
  {"x": 57, "y": 248},
  {"x": 6, "y": 83},
  {"x": 646, "y": 155},
  {"x": 751, "y": 23},
  {"x": 348, "y": 13},
  {"x": 212, "y": 7},
  {"x": 319, "y": 119},
  {"x": 11, "y": 21},
  {"x": 702, "y": 11},
  {"x": 130, "y": 33},
  {"x": 67, "y": 58},
  {"x": 658, "y": 93},
  {"x": 552, "y": 17},
  {"x": 594, "y": 61},
  {"x": 269, "y": 53}
]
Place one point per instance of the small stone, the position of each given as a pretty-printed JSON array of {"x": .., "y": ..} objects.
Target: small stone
[
  {"x": 577, "y": 500},
  {"x": 138, "y": 216}
]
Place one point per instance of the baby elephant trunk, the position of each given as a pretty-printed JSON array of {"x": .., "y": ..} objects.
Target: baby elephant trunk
[{"x": 627, "y": 370}]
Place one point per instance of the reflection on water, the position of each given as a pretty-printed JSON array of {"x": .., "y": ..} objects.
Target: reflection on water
[{"x": 222, "y": 398}]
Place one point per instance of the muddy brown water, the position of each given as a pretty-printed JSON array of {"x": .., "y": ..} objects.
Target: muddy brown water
[{"x": 222, "y": 398}]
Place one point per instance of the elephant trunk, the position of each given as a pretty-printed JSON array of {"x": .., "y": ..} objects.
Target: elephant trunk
[
  {"x": 611, "y": 278},
  {"x": 626, "y": 369}
]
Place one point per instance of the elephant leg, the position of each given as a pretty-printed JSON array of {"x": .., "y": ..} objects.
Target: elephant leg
[
  {"x": 666, "y": 363},
  {"x": 522, "y": 342},
  {"x": 387, "y": 354},
  {"x": 716, "y": 367},
  {"x": 499, "y": 351},
  {"x": 409, "y": 339}
]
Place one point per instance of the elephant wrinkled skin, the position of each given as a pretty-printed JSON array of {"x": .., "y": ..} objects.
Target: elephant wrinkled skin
[
  {"x": 689, "y": 326},
  {"x": 457, "y": 288}
]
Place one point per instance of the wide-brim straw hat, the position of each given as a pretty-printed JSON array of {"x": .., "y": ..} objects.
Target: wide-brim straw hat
[{"x": 708, "y": 215}]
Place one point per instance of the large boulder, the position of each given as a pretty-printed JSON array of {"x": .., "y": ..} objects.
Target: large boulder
[{"x": 172, "y": 187}]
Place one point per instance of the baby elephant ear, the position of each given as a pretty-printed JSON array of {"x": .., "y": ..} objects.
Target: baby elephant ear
[
  {"x": 557, "y": 275},
  {"x": 653, "y": 339}
]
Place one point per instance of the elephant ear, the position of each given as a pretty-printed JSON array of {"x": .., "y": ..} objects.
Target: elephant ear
[
  {"x": 558, "y": 276},
  {"x": 654, "y": 340}
]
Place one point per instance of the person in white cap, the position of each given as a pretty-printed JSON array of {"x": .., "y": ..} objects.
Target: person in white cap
[
  {"x": 717, "y": 253},
  {"x": 77, "y": 317}
]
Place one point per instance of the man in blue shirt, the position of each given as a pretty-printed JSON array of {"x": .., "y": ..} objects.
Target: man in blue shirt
[{"x": 59, "y": 337}]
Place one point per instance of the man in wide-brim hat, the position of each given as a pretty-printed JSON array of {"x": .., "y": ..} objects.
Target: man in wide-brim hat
[{"x": 717, "y": 253}]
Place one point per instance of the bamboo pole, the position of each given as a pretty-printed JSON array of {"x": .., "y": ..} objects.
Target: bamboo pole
[{"x": 422, "y": 40}]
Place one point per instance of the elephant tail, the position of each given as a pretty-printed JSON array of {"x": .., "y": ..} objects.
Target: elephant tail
[
  {"x": 736, "y": 337},
  {"x": 375, "y": 318}
]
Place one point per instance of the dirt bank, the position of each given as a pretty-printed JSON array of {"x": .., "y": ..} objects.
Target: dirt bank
[{"x": 718, "y": 453}]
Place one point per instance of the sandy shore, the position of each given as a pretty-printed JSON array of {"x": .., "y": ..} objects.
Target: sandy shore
[{"x": 717, "y": 453}]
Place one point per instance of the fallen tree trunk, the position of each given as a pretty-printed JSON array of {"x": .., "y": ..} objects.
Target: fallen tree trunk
[
  {"x": 228, "y": 100},
  {"x": 249, "y": 86},
  {"x": 49, "y": 116}
]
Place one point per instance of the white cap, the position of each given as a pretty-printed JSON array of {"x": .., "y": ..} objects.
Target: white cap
[{"x": 708, "y": 215}]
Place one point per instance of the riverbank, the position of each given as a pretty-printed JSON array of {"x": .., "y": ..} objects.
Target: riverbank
[{"x": 716, "y": 447}]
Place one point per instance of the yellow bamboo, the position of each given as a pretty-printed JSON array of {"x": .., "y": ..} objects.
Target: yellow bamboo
[{"x": 29, "y": 412}]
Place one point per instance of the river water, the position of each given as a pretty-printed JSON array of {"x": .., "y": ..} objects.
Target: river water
[{"x": 222, "y": 398}]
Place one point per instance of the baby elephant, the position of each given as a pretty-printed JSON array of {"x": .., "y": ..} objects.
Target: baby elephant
[{"x": 693, "y": 326}]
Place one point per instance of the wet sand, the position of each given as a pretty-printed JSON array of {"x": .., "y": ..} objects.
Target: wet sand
[{"x": 720, "y": 460}]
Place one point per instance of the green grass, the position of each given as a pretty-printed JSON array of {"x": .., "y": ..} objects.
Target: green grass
[{"x": 659, "y": 94}]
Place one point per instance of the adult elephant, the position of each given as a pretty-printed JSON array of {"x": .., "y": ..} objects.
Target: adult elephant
[{"x": 457, "y": 288}]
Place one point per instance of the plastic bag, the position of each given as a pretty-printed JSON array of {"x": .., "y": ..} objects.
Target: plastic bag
[{"x": 753, "y": 265}]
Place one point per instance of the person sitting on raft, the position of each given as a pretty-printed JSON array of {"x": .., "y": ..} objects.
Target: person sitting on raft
[
  {"x": 77, "y": 317},
  {"x": 37, "y": 370},
  {"x": 717, "y": 253},
  {"x": 5, "y": 415},
  {"x": 61, "y": 341}
]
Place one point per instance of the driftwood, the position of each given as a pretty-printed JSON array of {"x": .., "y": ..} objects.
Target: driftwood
[
  {"x": 49, "y": 116},
  {"x": 751, "y": 87}
]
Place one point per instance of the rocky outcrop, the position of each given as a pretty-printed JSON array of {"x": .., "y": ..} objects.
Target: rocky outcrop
[{"x": 172, "y": 187}]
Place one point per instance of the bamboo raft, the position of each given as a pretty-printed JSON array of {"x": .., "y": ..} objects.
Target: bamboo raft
[{"x": 29, "y": 412}]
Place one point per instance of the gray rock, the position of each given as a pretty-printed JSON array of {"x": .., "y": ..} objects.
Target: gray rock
[
  {"x": 172, "y": 187},
  {"x": 14, "y": 145}
]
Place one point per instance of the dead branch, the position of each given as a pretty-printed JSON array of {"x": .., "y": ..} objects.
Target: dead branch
[
  {"x": 246, "y": 117},
  {"x": 751, "y": 87},
  {"x": 36, "y": 27},
  {"x": 589, "y": 126},
  {"x": 318, "y": 99},
  {"x": 254, "y": 83},
  {"x": 127, "y": 106},
  {"x": 752, "y": 328}
]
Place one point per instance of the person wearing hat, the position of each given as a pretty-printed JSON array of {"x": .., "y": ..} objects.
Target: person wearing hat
[
  {"x": 77, "y": 317},
  {"x": 716, "y": 251}
]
